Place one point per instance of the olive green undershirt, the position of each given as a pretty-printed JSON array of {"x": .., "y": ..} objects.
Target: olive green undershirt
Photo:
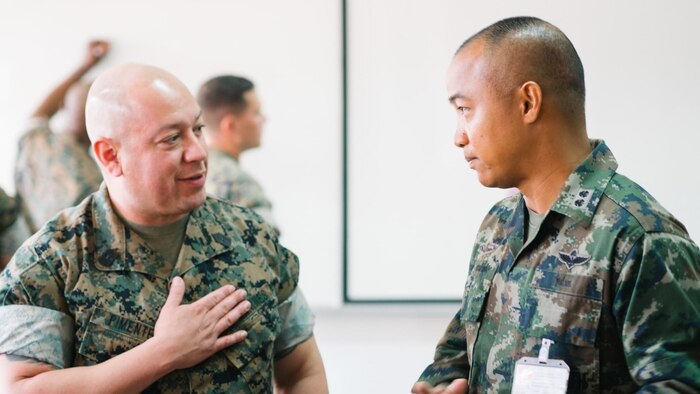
[
  {"x": 534, "y": 220},
  {"x": 165, "y": 240}
]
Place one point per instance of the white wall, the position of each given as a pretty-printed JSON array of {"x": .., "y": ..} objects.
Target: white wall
[{"x": 414, "y": 205}]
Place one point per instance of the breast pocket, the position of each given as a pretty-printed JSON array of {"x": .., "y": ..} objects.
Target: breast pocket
[
  {"x": 568, "y": 311},
  {"x": 108, "y": 335}
]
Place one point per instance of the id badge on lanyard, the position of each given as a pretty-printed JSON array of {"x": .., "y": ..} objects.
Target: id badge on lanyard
[{"x": 540, "y": 374}]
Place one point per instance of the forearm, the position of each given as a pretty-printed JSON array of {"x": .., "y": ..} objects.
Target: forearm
[
  {"x": 52, "y": 102},
  {"x": 130, "y": 372}
]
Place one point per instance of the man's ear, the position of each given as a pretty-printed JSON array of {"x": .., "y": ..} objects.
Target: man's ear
[
  {"x": 105, "y": 151},
  {"x": 530, "y": 98},
  {"x": 228, "y": 123},
  {"x": 229, "y": 127}
]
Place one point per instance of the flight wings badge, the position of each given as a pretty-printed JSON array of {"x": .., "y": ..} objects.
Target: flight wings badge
[{"x": 573, "y": 259}]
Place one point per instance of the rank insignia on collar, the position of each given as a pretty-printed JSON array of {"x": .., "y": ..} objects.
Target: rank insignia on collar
[
  {"x": 487, "y": 248},
  {"x": 573, "y": 259}
]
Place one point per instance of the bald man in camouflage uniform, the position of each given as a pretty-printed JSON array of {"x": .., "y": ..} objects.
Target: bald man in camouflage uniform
[
  {"x": 583, "y": 257},
  {"x": 233, "y": 122},
  {"x": 149, "y": 284},
  {"x": 54, "y": 171}
]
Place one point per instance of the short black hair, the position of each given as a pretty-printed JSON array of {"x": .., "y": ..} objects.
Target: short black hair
[
  {"x": 539, "y": 51},
  {"x": 223, "y": 94}
]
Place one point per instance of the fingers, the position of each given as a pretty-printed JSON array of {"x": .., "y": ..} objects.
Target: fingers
[
  {"x": 97, "y": 49},
  {"x": 231, "y": 339},
  {"x": 422, "y": 388},
  {"x": 419, "y": 388},
  {"x": 458, "y": 386},
  {"x": 177, "y": 291},
  {"x": 232, "y": 316},
  {"x": 227, "y": 304},
  {"x": 209, "y": 301}
]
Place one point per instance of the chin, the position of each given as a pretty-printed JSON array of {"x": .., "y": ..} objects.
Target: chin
[{"x": 195, "y": 201}]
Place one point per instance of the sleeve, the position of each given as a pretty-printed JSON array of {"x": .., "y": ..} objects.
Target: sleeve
[
  {"x": 657, "y": 307},
  {"x": 297, "y": 323},
  {"x": 283, "y": 261},
  {"x": 450, "y": 361},
  {"x": 34, "y": 324}
]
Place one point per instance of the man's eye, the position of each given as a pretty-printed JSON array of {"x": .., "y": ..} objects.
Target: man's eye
[
  {"x": 198, "y": 128},
  {"x": 172, "y": 139},
  {"x": 463, "y": 110}
]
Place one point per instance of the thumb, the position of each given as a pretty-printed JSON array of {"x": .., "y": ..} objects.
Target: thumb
[
  {"x": 458, "y": 386},
  {"x": 177, "y": 291}
]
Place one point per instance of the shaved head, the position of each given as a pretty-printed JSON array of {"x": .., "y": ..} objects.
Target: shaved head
[
  {"x": 525, "y": 49},
  {"x": 146, "y": 133},
  {"x": 120, "y": 95}
]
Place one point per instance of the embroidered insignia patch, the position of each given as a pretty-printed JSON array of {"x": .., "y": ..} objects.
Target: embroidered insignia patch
[{"x": 573, "y": 259}]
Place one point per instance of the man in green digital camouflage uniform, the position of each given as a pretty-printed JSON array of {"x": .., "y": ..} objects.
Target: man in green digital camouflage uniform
[
  {"x": 54, "y": 171},
  {"x": 583, "y": 256},
  {"x": 233, "y": 124},
  {"x": 148, "y": 284}
]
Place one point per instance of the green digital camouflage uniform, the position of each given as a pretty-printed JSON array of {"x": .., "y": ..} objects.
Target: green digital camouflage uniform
[
  {"x": 52, "y": 172},
  {"x": 227, "y": 180},
  {"x": 611, "y": 277},
  {"x": 86, "y": 288}
]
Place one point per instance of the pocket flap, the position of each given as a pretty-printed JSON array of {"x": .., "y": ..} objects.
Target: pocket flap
[{"x": 109, "y": 334}]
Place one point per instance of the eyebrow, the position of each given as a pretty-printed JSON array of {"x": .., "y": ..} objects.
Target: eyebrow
[
  {"x": 455, "y": 97},
  {"x": 176, "y": 125}
]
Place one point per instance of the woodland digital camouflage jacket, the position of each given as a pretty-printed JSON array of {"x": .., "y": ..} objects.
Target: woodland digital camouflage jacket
[{"x": 99, "y": 289}]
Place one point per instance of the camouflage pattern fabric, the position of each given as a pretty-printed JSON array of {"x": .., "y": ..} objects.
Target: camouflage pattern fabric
[
  {"x": 86, "y": 264},
  {"x": 9, "y": 210},
  {"x": 611, "y": 277},
  {"x": 52, "y": 172},
  {"x": 56, "y": 328},
  {"x": 227, "y": 180}
]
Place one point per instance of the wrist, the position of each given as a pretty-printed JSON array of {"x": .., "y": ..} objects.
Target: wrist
[{"x": 161, "y": 355}]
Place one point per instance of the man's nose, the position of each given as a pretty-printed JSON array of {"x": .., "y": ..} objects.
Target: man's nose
[
  {"x": 195, "y": 149},
  {"x": 461, "y": 139}
]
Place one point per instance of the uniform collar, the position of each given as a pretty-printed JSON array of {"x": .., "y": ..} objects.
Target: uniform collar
[
  {"x": 222, "y": 154},
  {"x": 581, "y": 193},
  {"x": 117, "y": 248}
]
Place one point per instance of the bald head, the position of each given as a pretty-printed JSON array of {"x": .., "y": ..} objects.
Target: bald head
[
  {"x": 525, "y": 49},
  {"x": 146, "y": 133},
  {"x": 122, "y": 95}
]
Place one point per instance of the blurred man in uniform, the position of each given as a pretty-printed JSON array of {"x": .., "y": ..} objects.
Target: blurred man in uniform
[
  {"x": 54, "y": 170},
  {"x": 232, "y": 115}
]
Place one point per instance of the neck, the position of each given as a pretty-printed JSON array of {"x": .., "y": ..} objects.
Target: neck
[
  {"x": 133, "y": 215},
  {"x": 552, "y": 167},
  {"x": 214, "y": 141}
]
